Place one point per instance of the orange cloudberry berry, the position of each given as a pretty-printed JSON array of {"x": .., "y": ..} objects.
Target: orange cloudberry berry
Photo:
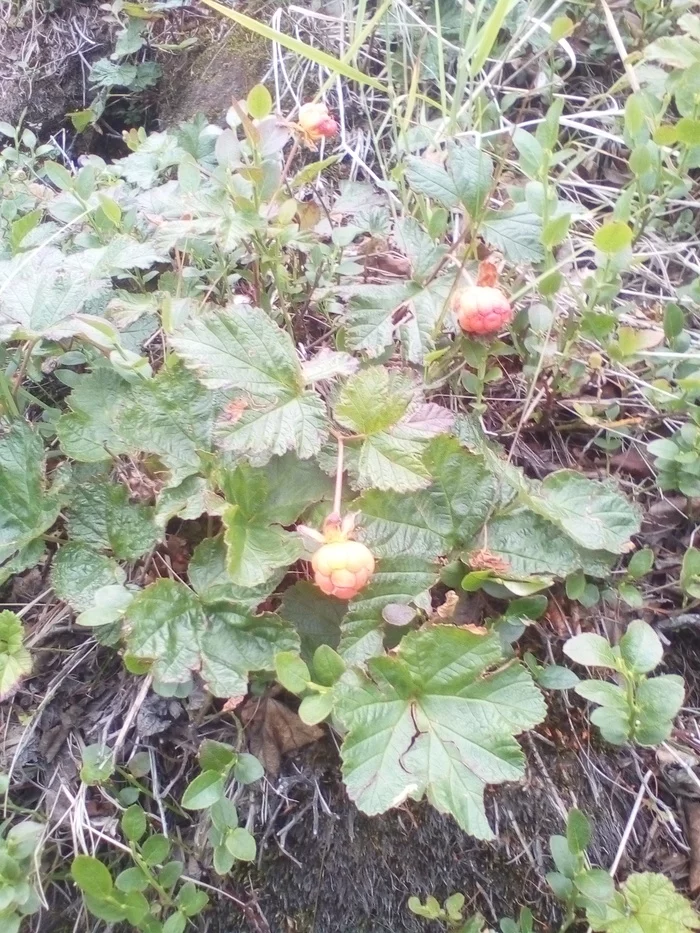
[
  {"x": 481, "y": 310},
  {"x": 342, "y": 568},
  {"x": 316, "y": 121}
]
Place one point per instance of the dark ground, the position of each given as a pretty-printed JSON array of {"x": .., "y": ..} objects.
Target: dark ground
[{"x": 324, "y": 867}]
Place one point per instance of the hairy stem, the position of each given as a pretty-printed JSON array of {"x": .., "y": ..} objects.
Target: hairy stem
[{"x": 339, "y": 477}]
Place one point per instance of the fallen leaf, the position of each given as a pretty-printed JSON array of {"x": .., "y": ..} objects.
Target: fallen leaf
[
  {"x": 428, "y": 420},
  {"x": 42, "y": 192},
  {"x": 309, "y": 214},
  {"x": 556, "y": 618},
  {"x": 179, "y": 553},
  {"x": 667, "y": 758},
  {"x": 141, "y": 485},
  {"x": 156, "y": 715},
  {"x": 483, "y": 559},
  {"x": 449, "y": 607},
  {"x": 391, "y": 264},
  {"x": 274, "y": 730},
  {"x": 633, "y": 463}
]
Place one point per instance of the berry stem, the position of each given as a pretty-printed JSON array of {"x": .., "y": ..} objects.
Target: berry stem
[
  {"x": 481, "y": 375},
  {"x": 338, "y": 477},
  {"x": 285, "y": 172}
]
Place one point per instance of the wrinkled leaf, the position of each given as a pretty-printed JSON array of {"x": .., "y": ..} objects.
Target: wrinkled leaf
[
  {"x": 372, "y": 316},
  {"x": 649, "y": 904},
  {"x": 241, "y": 348},
  {"x": 101, "y": 516},
  {"x": 532, "y": 546},
  {"x": 396, "y": 581},
  {"x": 167, "y": 623},
  {"x": 472, "y": 171},
  {"x": 78, "y": 571},
  {"x": 170, "y": 416},
  {"x": 45, "y": 305},
  {"x": 209, "y": 577},
  {"x": 595, "y": 515},
  {"x": 432, "y": 721},
  {"x": 27, "y": 507},
  {"x": 382, "y": 406},
  {"x": 517, "y": 233}
]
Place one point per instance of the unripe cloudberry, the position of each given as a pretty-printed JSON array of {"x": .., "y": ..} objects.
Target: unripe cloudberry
[
  {"x": 342, "y": 568},
  {"x": 316, "y": 121},
  {"x": 481, "y": 310}
]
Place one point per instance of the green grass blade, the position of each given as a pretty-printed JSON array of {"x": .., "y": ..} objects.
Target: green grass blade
[
  {"x": 357, "y": 44},
  {"x": 336, "y": 65},
  {"x": 488, "y": 34}
]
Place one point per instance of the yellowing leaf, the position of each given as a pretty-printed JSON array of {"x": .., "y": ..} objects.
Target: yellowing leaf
[
  {"x": 613, "y": 237},
  {"x": 15, "y": 660},
  {"x": 648, "y": 903}
]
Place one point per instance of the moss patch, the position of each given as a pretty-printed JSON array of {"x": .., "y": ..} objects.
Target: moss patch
[{"x": 205, "y": 80}]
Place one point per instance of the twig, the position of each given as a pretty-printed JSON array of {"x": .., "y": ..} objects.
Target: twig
[
  {"x": 630, "y": 824},
  {"x": 37, "y": 599},
  {"x": 131, "y": 715},
  {"x": 285, "y": 172},
  {"x": 155, "y": 788},
  {"x": 338, "y": 477},
  {"x": 620, "y": 46},
  {"x": 22, "y": 370}
]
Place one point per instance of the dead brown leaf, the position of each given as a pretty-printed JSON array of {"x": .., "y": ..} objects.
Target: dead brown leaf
[
  {"x": 483, "y": 559},
  {"x": 556, "y": 618},
  {"x": 42, "y": 192},
  {"x": 179, "y": 553},
  {"x": 142, "y": 486},
  {"x": 463, "y": 609},
  {"x": 389, "y": 264},
  {"x": 487, "y": 275},
  {"x": 650, "y": 337},
  {"x": 274, "y": 730},
  {"x": 232, "y": 703},
  {"x": 309, "y": 214},
  {"x": 449, "y": 607}
]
